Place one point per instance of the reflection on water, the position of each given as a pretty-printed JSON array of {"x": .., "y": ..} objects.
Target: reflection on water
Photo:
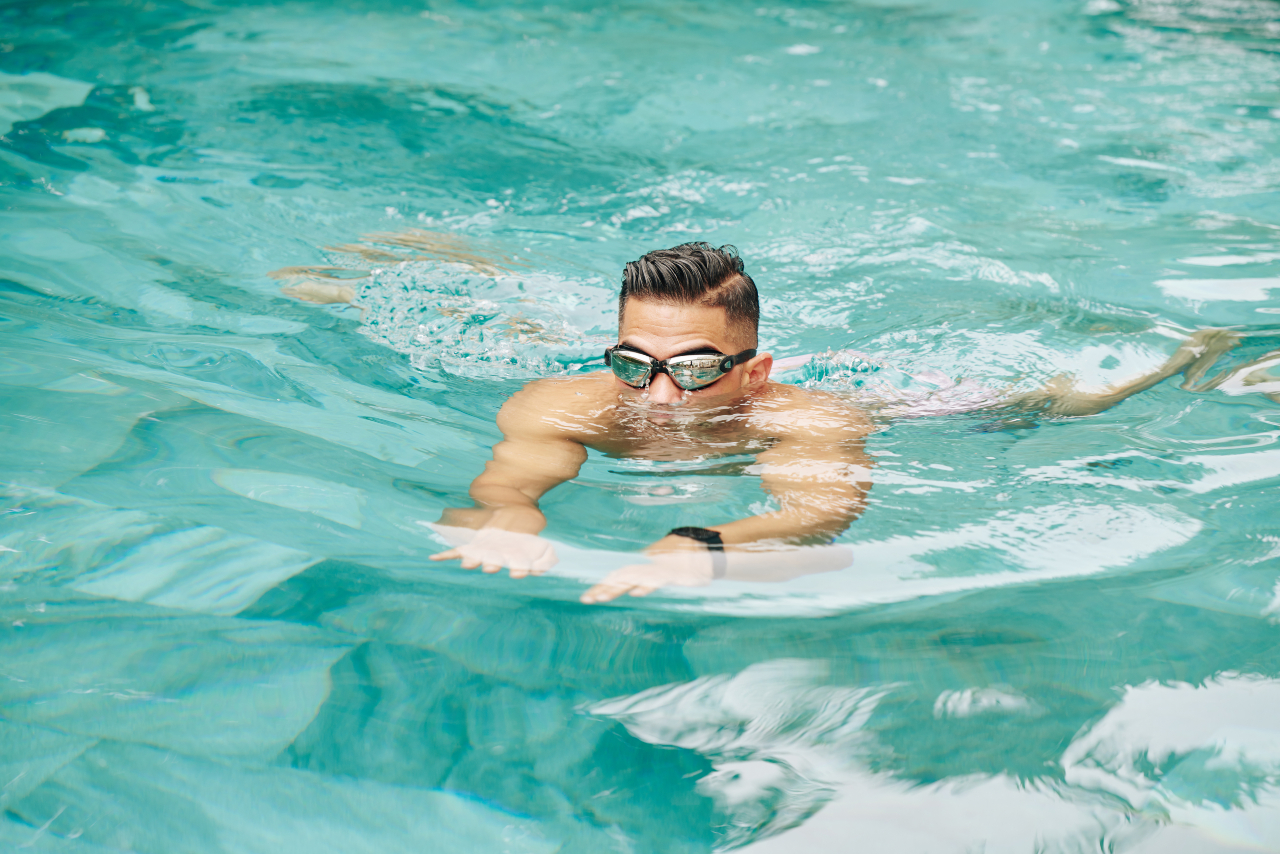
[
  {"x": 219, "y": 628},
  {"x": 815, "y": 731}
]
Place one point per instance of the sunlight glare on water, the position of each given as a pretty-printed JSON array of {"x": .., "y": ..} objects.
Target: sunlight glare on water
[{"x": 218, "y": 476}]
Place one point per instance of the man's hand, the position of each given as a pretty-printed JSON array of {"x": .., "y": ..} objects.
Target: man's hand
[
  {"x": 493, "y": 548},
  {"x": 674, "y": 560}
]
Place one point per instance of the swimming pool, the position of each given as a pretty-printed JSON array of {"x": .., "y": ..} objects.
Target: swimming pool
[{"x": 220, "y": 629}]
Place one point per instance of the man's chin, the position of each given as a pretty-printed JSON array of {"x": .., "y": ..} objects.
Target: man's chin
[
  {"x": 655, "y": 411},
  {"x": 662, "y": 412},
  {"x": 673, "y": 414}
]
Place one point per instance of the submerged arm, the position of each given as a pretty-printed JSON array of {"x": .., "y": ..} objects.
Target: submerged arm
[
  {"x": 820, "y": 487},
  {"x": 819, "y": 476}
]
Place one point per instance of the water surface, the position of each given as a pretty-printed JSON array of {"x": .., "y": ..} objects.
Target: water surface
[{"x": 220, "y": 631}]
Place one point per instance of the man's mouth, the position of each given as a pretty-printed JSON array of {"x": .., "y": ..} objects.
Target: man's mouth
[
  {"x": 657, "y": 412},
  {"x": 661, "y": 411}
]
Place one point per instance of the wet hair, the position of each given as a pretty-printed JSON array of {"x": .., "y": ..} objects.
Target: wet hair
[{"x": 695, "y": 274}]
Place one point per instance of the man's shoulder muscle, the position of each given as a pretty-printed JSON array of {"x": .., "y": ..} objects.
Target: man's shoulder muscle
[{"x": 555, "y": 406}]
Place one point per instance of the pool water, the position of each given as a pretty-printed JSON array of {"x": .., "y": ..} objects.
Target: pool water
[{"x": 220, "y": 630}]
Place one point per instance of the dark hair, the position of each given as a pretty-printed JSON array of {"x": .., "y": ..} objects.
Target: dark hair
[{"x": 694, "y": 274}]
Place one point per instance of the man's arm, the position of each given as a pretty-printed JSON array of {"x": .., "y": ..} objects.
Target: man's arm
[
  {"x": 819, "y": 475},
  {"x": 536, "y": 454},
  {"x": 820, "y": 484},
  {"x": 538, "y": 451}
]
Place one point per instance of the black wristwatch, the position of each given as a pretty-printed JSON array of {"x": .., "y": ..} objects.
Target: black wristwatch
[{"x": 709, "y": 538}]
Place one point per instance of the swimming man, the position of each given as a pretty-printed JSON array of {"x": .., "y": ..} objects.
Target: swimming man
[{"x": 687, "y": 382}]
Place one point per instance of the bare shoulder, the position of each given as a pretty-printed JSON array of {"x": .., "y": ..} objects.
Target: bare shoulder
[
  {"x": 569, "y": 406},
  {"x": 791, "y": 412},
  {"x": 583, "y": 392}
]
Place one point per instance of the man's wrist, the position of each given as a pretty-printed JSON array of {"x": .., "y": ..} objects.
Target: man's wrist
[
  {"x": 711, "y": 540},
  {"x": 523, "y": 519}
]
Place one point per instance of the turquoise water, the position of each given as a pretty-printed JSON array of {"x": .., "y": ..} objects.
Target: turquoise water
[{"x": 220, "y": 632}]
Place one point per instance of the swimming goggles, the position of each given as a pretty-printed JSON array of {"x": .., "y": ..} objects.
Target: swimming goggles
[{"x": 690, "y": 371}]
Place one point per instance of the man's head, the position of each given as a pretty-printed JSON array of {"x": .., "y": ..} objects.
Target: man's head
[{"x": 687, "y": 299}]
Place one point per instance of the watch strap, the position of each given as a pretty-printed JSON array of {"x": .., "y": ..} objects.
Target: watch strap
[{"x": 714, "y": 543}]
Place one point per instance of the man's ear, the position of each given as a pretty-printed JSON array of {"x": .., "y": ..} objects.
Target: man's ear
[{"x": 755, "y": 371}]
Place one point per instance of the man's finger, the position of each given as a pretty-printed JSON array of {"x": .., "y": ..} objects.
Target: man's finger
[
  {"x": 640, "y": 590},
  {"x": 451, "y": 554},
  {"x": 518, "y": 572},
  {"x": 491, "y": 568},
  {"x": 604, "y": 593},
  {"x": 470, "y": 562}
]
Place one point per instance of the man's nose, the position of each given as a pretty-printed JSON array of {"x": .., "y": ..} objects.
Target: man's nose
[{"x": 662, "y": 389}]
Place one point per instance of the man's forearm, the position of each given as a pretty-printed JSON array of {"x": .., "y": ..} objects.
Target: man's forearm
[
  {"x": 784, "y": 530},
  {"x": 740, "y": 562},
  {"x": 785, "y": 564},
  {"x": 802, "y": 525},
  {"x": 779, "y": 545}
]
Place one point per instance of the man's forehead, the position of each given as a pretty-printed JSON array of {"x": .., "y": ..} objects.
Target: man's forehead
[{"x": 675, "y": 324}]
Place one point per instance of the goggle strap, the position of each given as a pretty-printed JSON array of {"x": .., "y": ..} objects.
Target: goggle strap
[{"x": 730, "y": 361}]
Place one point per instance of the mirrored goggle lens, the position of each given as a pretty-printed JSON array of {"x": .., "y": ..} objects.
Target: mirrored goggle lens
[
  {"x": 629, "y": 369},
  {"x": 695, "y": 372}
]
